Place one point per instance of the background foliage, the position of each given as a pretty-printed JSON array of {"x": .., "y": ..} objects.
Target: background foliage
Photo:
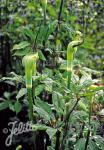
[{"x": 30, "y": 26}]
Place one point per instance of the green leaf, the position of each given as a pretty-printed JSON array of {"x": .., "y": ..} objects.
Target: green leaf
[
  {"x": 39, "y": 89},
  {"x": 50, "y": 148},
  {"x": 80, "y": 145},
  {"x": 92, "y": 145},
  {"x": 14, "y": 77},
  {"x": 4, "y": 105},
  {"x": 51, "y": 28},
  {"x": 17, "y": 107},
  {"x": 7, "y": 95},
  {"x": 48, "y": 84},
  {"x": 63, "y": 65},
  {"x": 42, "y": 34},
  {"x": 12, "y": 107},
  {"x": 85, "y": 81},
  {"x": 100, "y": 141},
  {"x": 83, "y": 106},
  {"x": 21, "y": 45},
  {"x": 44, "y": 105},
  {"x": 41, "y": 56},
  {"x": 85, "y": 78},
  {"x": 38, "y": 127},
  {"x": 58, "y": 102},
  {"x": 29, "y": 33},
  {"x": 21, "y": 93},
  {"x": 42, "y": 113},
  {"x": 48, "y": 72},
  {"x": 22, "y": 52},
  {"x": 51, "y": 132}
]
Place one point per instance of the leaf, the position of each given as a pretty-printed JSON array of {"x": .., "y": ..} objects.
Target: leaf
[
  {"x": 85, "y": 81},
  {"x": 44, "y": 105},
  {"x": 42, "y": 34},
  {"x": 92, "y": 145},
  {"x": 12, "y": 107},
  {"x": 91, "y": 71},
  {"x": 21, "y": 45},
  {"x": 83, "y": 106},
  {"x": 80, "y": 145},
  {"x": 48, "y": 84},
  {"x": 4, "y": 105},
  {"x": 48, "y": 72},
  {"x": 22, "y": 52},
  {"x": 7, "y": 95},
  {"x": 51, "y": 28},
  {"x": 39, "y": 89},
  {"x": 29, "y": 33},
  {"x": 63, "y": 65},
  {"x": 10, "y": 83},
  {"x": 50, "y": 148},
  {"x": 82, "y": 115},
  {"x": 17, "y": 107},
  {"x": 51, "y": 132},
  {"x": 42, "y": 113},
  {"x": 41, "y": 56},
  {"x": 14, "y": 77},
  {"x": 38, "y": 127},
  {"x": 21, "y": 93},
  {"x": 100, "y": 141},
  {"x": 58, "y": 102},
  {"x": 85, "y": 78},
  {"x": 88, "y": 44}
]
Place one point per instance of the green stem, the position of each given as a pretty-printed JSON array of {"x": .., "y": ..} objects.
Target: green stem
[
  {"x": 69, "y": 66},
  {"x": 87, "y": 139},
  {"x": 44, "y": 15},
  {"x": 67, "y": 123},
  {"x": 88, "y": 133},
  {"x": 59, "y": 18},
  {"x": 29, "y": 92},
  {"x": 69, "y": 79}
]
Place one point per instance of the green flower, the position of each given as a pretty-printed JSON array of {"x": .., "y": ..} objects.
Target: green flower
[{"x": 29, "y": 61}]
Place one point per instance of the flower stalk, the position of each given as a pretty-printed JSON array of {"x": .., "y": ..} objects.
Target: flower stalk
[
  {"x": 71, "y": 50},
  {"x": 29, "y": 62}
]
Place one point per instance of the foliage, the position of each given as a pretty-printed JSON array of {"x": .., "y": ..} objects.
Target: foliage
[{"x": 63, "y": 89}]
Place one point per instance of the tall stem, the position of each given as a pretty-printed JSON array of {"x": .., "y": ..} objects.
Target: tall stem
[
  {"x": 44, "y": 15},
  {"x": 59, "y": 17},
  {"x": 30, "y": 100},
  {"x": 60, "y": 11},
  {"x": 67, "y": 123},
  {"x": 57, "y": 147},
  {"x": 69, "y": 66},
  {"x": 88, "y": 133}
]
